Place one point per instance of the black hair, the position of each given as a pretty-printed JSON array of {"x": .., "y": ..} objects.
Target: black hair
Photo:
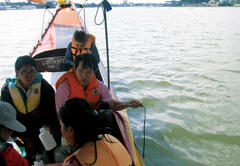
[
  {"x": 24, "y": 60},
  {"x": 77, "y": 113},
  {"x": 87, "y": 125},
  {"x": 80, "y": 36},
  {"x": 88, "y": 60}
]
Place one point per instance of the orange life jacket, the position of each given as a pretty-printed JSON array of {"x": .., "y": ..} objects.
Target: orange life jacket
[
  {"x": 92, "y": 94},
  {"x": 108, "y": 153},
  {"x": 85, "y": 49}
]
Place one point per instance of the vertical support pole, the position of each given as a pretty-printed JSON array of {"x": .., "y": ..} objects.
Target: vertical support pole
[{"x": 106, "y": 37}]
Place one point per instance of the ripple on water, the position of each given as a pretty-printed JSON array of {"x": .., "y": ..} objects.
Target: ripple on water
[
  {"x": 233, "y": 71},
  {"x": 155, "y": 84},
  {"x": 183, "y": 99}
]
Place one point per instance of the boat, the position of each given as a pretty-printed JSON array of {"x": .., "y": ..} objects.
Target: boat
[{"x": 50, "y": 50}]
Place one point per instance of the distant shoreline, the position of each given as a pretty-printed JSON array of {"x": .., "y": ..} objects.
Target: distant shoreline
[{"x": 31, "y": 6}]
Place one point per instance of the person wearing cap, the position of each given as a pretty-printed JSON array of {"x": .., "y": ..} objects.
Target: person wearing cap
[
  {"x": 34, "y": 100},
  {"x": 8, "y": 123}
]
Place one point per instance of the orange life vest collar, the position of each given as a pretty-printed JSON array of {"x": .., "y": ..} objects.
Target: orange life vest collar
[
  {"x": 92, "y": 94},
  {"x": 85, "y": 49},
  {"x": 106, "y": 153}
]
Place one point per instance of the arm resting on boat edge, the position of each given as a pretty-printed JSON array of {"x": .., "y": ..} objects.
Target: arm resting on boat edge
[
  {"x": 117, "y": 105},
  {"x": 114, "y": 104}
]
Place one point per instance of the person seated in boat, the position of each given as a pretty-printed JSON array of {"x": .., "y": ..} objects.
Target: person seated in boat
[
  {"x": 81, "y": 43},
  {"x": 81, "y": 82},
  {"x": 92, "y": 145},
  {"x": 34, "y": 99},
  {"x": 8, "y": 124}
]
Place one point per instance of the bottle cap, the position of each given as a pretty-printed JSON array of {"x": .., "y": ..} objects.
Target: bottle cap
[{"x": 42, "y": 130}]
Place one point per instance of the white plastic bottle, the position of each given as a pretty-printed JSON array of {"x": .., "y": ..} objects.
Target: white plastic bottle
[
  {"x": 38, "y": 161},
  {"x": 47, "y": 139}
]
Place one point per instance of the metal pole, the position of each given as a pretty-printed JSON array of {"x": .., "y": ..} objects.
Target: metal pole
[{"x": 106, "y": 37}]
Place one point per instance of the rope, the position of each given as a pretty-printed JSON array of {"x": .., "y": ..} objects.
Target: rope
[
  {"x": 43, "y": 19},
  {"x": 49, "y": 11},
  {"x": 95, "y": 18},
  {"x": 144, "y": 131},
  {"x": 84, "y": 17},
  {"x": 80, "y": 10}
]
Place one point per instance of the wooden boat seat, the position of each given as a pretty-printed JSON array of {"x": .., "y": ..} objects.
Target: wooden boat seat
[
  {"x": 53, "y": 61},
  {"x": 48, "y": 64},
  {"x": 47, "y": 61}
]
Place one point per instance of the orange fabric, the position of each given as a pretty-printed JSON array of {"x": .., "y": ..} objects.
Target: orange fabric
[
  {"x": 85, "y": 49},
  {"x": 64, "y": 17},
  {"x": 108, "y": 153},
  {"x": 48, "y": 42},
  {"x": 39, "y": 1},
  {"x": 92, "y": 94},
  {"x": 68, "y": 16}
]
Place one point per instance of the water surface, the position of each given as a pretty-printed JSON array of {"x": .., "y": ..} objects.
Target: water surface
[{"x": 182, "y": 63}]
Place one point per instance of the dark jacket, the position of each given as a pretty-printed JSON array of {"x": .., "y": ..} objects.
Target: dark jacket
[
  {"x": 68, "y": 59},
  {"x": 44, "y": 114},
  {"x": 69, "y": 56}
]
